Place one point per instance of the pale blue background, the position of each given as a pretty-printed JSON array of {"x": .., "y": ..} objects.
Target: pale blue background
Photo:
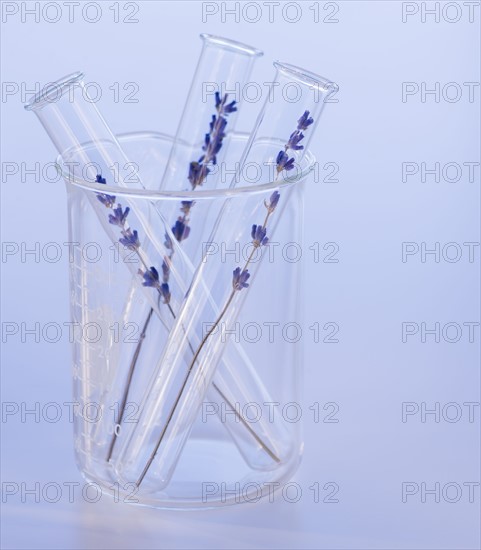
[{"x": 370, "y": 292}]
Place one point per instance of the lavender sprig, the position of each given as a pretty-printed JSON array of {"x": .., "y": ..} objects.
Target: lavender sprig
[
  {"x": 283, "y": 162},
  {"x": 199, "y": 170},
  {"x": 129, "y": 238},
  {"x": 240, "y": 276}
]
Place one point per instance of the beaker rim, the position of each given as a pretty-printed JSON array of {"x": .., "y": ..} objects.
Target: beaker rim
[
  {"x": 49, "y": 93},
  {"x": 233, "y": 45},
  {"x": 307, "y": 164}
]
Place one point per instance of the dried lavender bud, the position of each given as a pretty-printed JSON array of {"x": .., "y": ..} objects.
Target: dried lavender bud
[
  {"x": 151, "y": 277},
  {"x": 221, "y": 105},
  {"x": 258, "y": 235},
  {"x": 197, "y": 172},
  {"x": 239, "y": 280},
  {"x": 186, "y": 206},
  {"x": 130, "y": 239},
  {"x": 294, "y": 139},
  {"x": 305, "y": 121},
  {"x": 119, "y": 217},
  {"x": 181, "y": 230},
  {"x": 164, "y": 290},
  {"x": 165, "y": 271},
  {"x": 106, "y": 200},
  {"x": 168, "y": 243},
  {"x": 284, "y": 162},
  {"x": 274, "y": 199}
]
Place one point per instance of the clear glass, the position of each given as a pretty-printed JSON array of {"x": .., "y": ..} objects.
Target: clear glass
[
  {"x": 89, "y": 149},
  {"x": 293, "y": 92},
  {"x": 71, "y": 119},
  {"x": 224, "y": 67},
  {"x": 210, "y": 470}
]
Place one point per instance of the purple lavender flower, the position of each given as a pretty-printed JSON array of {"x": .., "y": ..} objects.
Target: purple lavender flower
[
  {"x": 198, "y": 170},
  {"x": 106, "y": 200},
  {"x": 294, "y": 140},
  {"x": 258, "y": 235},
  {"x": 181, "y": 230},
  {"x": 151, "y": 277},
  {"x": 229, "y": 107},
  {"x": 168, "y": 243},
  {"x": 186, "y": 206},
  {"x": 213, "y": 140},
  {"x": 239, "y": 280},
  {"x": 272, "y": 204},
  {"x": 207, "y": 140},
  {"x": 304, "y": 121},
  {"x": 221, "y": 105},
  {"x": 284, "y": 162},
  {"x": 130, "y": 239},
  {"x": 119, "y": 217},
  {"x": 165, "y": 291},
  {"x": 165, "y": 270}
]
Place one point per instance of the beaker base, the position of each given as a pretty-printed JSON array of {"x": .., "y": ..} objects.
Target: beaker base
[{"x": 210, "y": 474}]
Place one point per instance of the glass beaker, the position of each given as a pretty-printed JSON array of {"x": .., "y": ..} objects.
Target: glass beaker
[{"x": 211, "y": 471}]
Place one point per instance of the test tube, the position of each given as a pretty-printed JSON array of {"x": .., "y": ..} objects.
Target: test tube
[{"x": 224, "y": 68}]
